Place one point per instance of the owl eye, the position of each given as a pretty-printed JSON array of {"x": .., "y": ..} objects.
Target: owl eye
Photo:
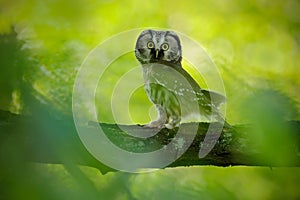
[
  {"x": 165, "y": 46},
  {"x": 150, "y": 45}
]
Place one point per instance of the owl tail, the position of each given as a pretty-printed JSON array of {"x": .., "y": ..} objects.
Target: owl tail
[
  {"x": 222, "y": 120},
  {"x": 216, "y": 99}
]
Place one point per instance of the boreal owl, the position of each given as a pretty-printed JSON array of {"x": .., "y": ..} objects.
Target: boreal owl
[{"x": 174, "y": 92}]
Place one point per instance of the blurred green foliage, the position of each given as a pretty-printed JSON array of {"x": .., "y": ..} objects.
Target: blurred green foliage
[
  {"x": 255, "y": 45},
  {"x": 270, "y": 132}
]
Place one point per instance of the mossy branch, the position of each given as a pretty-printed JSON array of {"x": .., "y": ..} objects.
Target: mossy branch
[{"x": 46, "y": 140}]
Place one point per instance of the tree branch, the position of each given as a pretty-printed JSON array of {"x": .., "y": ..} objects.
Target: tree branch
[{"x": 46, "y": 140}]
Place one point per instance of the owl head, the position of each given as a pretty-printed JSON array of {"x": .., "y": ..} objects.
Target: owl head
[{"x": 158, "y": 46}]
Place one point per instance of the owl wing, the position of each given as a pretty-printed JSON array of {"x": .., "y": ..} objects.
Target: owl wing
[{"x": 215, "y": 98}]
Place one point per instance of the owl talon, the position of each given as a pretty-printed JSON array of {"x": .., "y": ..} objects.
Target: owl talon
[
  {"x": 171, "y": 125},
  {"x": 155, "y": 124}
]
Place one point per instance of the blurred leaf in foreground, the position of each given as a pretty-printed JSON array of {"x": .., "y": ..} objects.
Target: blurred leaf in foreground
[{"x": 269, "y": 112}]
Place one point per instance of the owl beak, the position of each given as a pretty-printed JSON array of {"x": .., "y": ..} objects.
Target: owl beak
[{"x": 156, "y": 53}]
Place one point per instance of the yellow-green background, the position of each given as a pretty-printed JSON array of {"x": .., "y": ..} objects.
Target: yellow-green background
[{"x": 255, "y": 45}]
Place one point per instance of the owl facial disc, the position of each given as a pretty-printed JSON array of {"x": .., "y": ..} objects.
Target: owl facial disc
[{"x": 158, "y": 46}]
